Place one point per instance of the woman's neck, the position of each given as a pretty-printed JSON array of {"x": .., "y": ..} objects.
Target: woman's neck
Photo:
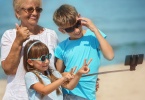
[{"x": 34, "y": 29}]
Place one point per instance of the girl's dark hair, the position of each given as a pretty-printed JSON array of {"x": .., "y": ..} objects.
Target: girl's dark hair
[{"x": 38, "y": 49}]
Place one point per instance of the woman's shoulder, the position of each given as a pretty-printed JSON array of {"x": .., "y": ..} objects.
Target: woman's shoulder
[
  {"x": 9, "y": 32},
  {"x": 50, "y": 31}
]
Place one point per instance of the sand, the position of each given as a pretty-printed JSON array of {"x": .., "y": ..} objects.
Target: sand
[
  {"x": 3, "y": 84},
  {"x": 123, "y": 84},
  {"x": 116, "y": 83}
]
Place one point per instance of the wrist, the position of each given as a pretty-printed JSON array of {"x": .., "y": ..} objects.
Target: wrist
[
  {"x": 78, "y": 74},
  {"x": 64, "y": 79},
  {"x": 18, "y": 43}
]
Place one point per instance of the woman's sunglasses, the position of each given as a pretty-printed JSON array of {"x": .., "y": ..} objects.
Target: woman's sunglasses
[
  {"x": 71, "y": 29},
  {"x": 31, "y": 10},
  {"x": 43, "y": 57}
]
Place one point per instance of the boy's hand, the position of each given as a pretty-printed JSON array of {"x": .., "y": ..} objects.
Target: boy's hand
[
  {"x": 88, "y": 23},
  {"x": 84, "y": 69}
]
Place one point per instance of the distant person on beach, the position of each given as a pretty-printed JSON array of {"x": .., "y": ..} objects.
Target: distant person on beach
[
  {"x": 13, "y": 41},
  {"x": 42, "y": 82},
  {"x": 81, "y": 44}
]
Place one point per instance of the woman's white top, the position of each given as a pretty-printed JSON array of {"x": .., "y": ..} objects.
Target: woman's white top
[{"x": 16, "y": 89}]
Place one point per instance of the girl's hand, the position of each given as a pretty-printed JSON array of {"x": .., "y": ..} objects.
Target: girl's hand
[
  {"x": 68, "y": 76},
  {"x": 84, "y": 69}
]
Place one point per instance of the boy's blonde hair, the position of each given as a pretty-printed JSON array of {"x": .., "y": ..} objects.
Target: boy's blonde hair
[{"x": 65, "y": 15}]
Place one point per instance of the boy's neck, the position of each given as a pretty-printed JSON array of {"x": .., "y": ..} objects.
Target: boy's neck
[{"x": 84, "y": 32}]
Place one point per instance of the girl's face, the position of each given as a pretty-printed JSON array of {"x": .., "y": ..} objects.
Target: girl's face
[
  {"x": 29, "y": 13},
  {"x": 39, "y": 65}
]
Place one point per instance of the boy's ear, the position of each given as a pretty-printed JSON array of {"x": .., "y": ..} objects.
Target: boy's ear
[
  {"x": 30, "y": 62},
  {"x": 61, "y": 30}
]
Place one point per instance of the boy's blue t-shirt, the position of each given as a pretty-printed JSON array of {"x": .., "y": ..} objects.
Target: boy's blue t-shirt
[{"x": 73, "y": 53}]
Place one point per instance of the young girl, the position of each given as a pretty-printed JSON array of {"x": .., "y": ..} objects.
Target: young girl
[{"x": 41, "y": 81}]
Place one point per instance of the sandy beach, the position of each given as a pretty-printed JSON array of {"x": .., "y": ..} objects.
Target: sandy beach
[
  {"x": 2, "y": 88},
  {"x": 121, "y": 84},
  {"x": 116, "y": 83}
]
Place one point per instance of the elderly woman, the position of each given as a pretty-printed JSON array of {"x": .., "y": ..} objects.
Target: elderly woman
[{"x": 13, "y": 41}]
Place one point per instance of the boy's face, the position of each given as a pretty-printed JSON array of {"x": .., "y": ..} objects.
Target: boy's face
[{"x": 74, "y": 31}]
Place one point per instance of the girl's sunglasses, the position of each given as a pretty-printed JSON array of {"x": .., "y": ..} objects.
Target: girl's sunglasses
[
  {"x": 43, "y": 57},
  {"x": 71, "y": 29},
  {"x": 31, "y": 10}
]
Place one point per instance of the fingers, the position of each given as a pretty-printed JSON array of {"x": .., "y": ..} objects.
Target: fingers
[
  {"x": 89, "y": 61},
  {"x": 73, "y": 70},
  {"x": 83, "y": 19},
  {"x": 17, "y": 26},
  {"x": 87, "y": 64},
  {"x": 68, "y": 76},
  {"x": 22, "y": 33}
]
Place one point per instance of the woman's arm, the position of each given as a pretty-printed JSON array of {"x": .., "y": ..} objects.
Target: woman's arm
[{"x": 10, "y": 64}]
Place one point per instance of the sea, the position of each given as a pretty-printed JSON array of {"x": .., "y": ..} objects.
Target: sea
[{"x": 123, "y": 21}]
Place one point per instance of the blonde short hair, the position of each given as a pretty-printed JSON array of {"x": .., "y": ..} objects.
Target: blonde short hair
[
  {"x": 18, "y": 4},
  {"x": 65, "y": 15}
]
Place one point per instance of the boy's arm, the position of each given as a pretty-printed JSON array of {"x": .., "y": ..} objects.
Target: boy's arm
[
  {"x": 59, "y": 65},
  {"x": 71, "y": 84},
  {"x": 104, "y": 45}
]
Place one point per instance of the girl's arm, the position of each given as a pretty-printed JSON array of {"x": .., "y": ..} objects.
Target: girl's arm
[
  {"x": 46, "y": 89},
  {"x": 73, "y": 82}
]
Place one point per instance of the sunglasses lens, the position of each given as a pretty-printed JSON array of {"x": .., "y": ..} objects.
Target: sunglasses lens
[
  {"x": 30, "y": 10},
  {"x": 43, "y": 58},
  {"x": 38, "y": 10},
  {"x": 49, "y": 56},
  {"x": 78, "y": 24},
  {"x": 71, "y": 29}
]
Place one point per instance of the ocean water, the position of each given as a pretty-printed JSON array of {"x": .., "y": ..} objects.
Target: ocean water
[{"x": 123, "y": 21}]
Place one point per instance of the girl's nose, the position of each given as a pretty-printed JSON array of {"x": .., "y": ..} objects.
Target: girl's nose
[{"x": 47, "y": 61}]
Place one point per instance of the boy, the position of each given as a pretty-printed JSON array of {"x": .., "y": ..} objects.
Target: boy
[{"x": 81, "y": 44}]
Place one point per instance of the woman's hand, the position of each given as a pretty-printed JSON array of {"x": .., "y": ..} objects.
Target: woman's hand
[{"x": 22, "y": 34}]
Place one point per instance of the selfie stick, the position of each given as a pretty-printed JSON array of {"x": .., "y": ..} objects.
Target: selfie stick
[{"x": 132, "y": 60}]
